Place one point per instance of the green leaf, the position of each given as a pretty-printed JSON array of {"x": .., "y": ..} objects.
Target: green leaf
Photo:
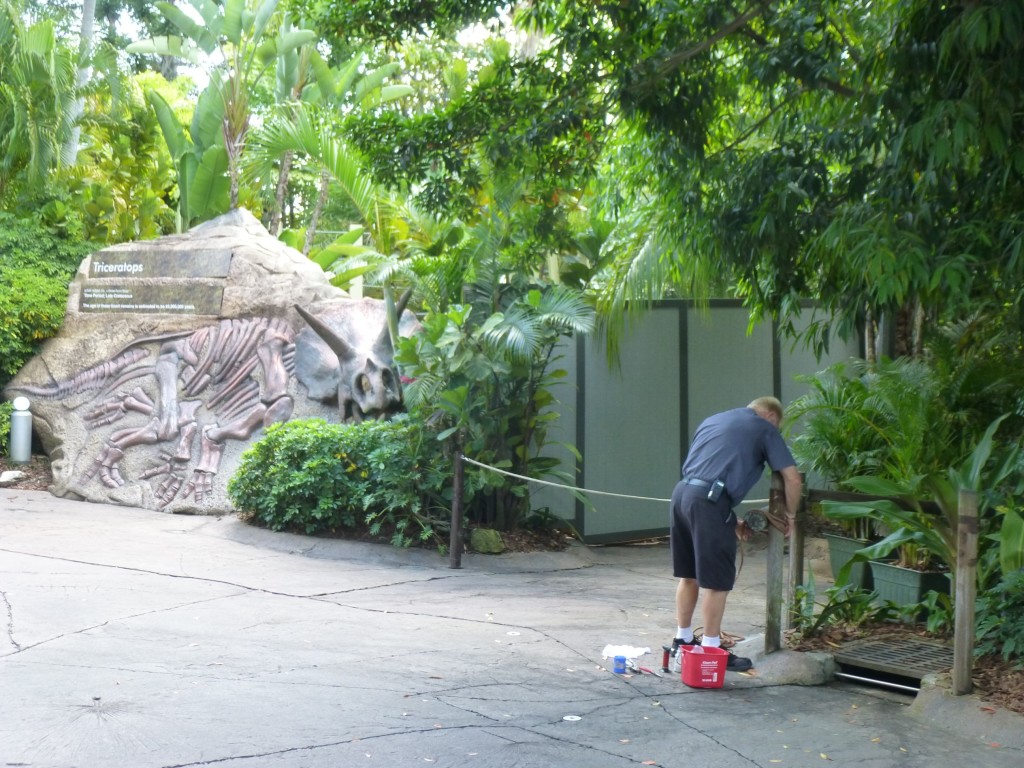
[
  {"x": 205, "y": 36},
  {"x": 173, "y": 132},
  {"x": 1011, "y": 542},
  {"x": 263, "y": 15},
  {"x": 877, "y": 486},
  {"x": 167, "y": 46},
  {"x": 209, "y": 195},
  {"x": 232, "y": 29},
  {"x": 208, "y": 118}
]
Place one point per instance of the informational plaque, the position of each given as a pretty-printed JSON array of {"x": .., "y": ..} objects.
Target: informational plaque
[
  {"x": 147, "y": 280},
  {"x": 151, "y": 262},
  {"x": 184, "y": 299}
]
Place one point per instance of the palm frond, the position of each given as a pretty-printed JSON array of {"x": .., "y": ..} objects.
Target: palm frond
[
  {"x": 566, "y": 310},
  {"x": 517, "y": 335}
]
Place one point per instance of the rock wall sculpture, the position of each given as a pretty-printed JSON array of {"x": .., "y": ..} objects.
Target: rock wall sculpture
[{"x": 176, "y": 353}]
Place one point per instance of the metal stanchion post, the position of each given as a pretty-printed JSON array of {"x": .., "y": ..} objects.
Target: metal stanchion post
[{"x": 21, "y": 431}]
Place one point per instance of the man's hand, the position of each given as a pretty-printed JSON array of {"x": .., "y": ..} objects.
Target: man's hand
[{"x": 743, "y": 532}]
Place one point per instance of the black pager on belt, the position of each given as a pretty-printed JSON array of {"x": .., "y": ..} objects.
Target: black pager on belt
[{"x": 715, "y": 491}]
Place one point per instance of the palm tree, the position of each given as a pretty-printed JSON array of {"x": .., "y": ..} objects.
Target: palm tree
[
  {"x": 37, "y": 92},
  {"x": 239, "y": 35}
]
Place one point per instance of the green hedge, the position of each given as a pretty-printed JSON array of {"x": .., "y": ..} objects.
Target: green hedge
[
  {"x": 5, "y": 426},
  {"x": 35, "y": 269},
  {"x": 382, "y": 478}
]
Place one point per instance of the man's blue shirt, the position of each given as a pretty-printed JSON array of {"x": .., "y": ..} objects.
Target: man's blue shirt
[{"x": 734, "y": 446}]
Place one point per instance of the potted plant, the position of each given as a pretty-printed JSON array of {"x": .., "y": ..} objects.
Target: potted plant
[
  {"x": 835, "y": 439},
  {"x": 922, "y": 532},
  {"x": 856, "y": 534}
]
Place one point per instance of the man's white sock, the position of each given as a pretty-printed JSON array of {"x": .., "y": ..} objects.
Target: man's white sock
[
  {"x": 712, "y": 642},
  {"x": 685, "y": 634}
]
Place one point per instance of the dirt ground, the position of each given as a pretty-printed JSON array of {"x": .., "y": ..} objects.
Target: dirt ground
[{"x": 995, "y": 680}]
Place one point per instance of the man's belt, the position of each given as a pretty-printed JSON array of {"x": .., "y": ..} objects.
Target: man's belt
[{"x": 697, "y": 481}]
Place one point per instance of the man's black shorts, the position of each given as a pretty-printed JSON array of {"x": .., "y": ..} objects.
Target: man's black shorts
[{"x": 702, "y": 536}]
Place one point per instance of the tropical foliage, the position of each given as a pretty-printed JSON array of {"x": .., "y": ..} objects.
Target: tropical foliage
[
  {"x": 893, "y": 431},
  {"x": 35, "y": 267},
  {"x": 486, "y": 384},
  {"x": 379, "y": 478},
  {"x": 38, "y": 88},
  {"x": 246, "y": 48},
  {"x": 1001, "y": 619},
  {"x": 887, "y": 419},
  {"x": 866, "y": 154}
]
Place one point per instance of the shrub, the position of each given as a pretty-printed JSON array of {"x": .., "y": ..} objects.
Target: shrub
[
  {"x": 844, "y": 606},
  {"x": 31, "y": 310},
  {"x": 5, "y": 424},
  {"x": 1000, "y": 620},
  {"x": 35, "y": 268},
  {"x": 378, "y": 477}
]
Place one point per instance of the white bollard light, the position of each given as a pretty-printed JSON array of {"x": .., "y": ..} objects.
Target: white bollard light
[{"x": 21, "y": 432}]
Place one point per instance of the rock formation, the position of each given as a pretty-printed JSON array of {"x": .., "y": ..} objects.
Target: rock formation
[{"x": 176, "y": 353}]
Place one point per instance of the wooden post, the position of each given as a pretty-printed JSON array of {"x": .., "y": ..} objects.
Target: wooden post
[
  {"x": 455, "y": 539},
  {"x": 774, "y": 576},
  {"x": 966, "y": 587},
  {"x": 796, "y": 554}
]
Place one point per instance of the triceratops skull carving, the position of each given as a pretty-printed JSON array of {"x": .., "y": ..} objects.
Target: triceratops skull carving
[{"x": 368, "y": 383}]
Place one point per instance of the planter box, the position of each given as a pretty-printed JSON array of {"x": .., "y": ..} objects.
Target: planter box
[
  {"x": 840, "y": 550},
  {"x": 905, "y": 586}
]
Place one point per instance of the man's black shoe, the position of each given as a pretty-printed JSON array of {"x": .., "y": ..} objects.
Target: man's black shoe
[
  {"x": 677, "y": 641},
  {"x": 738, "y": 663}
]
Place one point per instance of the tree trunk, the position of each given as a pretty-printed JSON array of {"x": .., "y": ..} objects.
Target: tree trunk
[
  {"x": 870, "y": 338},
  {"x": 168, "y": 67},
  {"x": 274, "y": 226},
  {"x": 325, "y": 185},
  {"x": 918, "y": 329},
  {"x": 903, "y": 342},
  {"x": 69, "y": 152}
]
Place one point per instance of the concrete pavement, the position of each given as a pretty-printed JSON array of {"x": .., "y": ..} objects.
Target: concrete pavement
[{"x": 137, "y": 639}]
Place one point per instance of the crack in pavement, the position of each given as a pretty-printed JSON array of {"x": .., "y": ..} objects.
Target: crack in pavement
[
  {"x": 9, "y": 610},
  {"x": 318, "y": 597},
  {"x": 246, "y": 589},
  {"x": 81, "y": 630},
  {"x": 488, "y": 728},
  {"x": 211, "y": 580},
  {"x": 491, "y": 728}
]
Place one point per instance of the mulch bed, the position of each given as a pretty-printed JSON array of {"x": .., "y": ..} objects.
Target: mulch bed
[{"x": 36, "y": 473}]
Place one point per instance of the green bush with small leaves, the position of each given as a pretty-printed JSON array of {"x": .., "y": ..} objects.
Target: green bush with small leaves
[
  {"x": 999, "y": 620},
  {"x": 379, "y": 477},
  {"x": 36, "y": 266},
  {"x": 5, "y": 425}
]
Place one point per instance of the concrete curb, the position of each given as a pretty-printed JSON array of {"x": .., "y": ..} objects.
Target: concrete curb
[{"x": 967, "y": 715}]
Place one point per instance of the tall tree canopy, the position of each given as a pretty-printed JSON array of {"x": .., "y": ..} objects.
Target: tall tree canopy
[{"x": 865, "y": 153}]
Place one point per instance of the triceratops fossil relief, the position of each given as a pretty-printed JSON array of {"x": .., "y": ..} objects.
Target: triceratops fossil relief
[{"x": 176, "y": 352}]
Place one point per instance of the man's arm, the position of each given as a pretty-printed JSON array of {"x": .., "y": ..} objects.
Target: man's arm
[{"x": 794, "y": 486}]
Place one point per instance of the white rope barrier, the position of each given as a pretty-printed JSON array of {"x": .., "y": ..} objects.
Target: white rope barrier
[{"x": 574, "y": 488}]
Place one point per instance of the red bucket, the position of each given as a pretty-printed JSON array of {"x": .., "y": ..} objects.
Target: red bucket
[{"x": 704, "y": 667}]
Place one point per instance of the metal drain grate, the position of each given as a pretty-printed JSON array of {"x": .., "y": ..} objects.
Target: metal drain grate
[{"x": 905, "y": 658}]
